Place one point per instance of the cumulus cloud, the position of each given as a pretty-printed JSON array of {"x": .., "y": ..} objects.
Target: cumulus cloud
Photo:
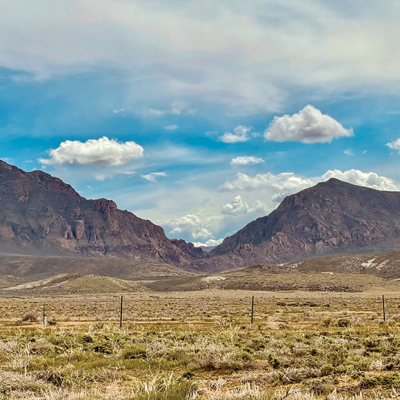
[
  {"x": 103, "y": 151},
  {"x": 368, "y": 179},
  {"x": 245, "y": 160},
  {"x": 240, "y": 134},
  {"x": 171, "y": 127},
  {"x": 152, "y": 177},
  {"x": 240, "y": 207},
  {"x": 284, "y": 182},
  {"x": 209, "y": 243},
  {"x": 307, "y": 126},
  {"x": 395, "y": 145},
  {"x": 281, "y": 185},
  {"x": 237, "y": 207},
  {"x": 191, "y": 224}
]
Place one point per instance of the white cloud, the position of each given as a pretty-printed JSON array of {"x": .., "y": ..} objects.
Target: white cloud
[
  {"x": 245, "y": 160},
  {"x": 176, "y": 108},
  {"x": 304, "y": 44},
  {"x": 209, "y": 243},
  {"x": 190, "y": 208},
  {"x": 349, "y": 153},
  {"x": 103, "y": 152},
  {"x": 368, "y": 179},
  {"x": 237, "y": 207},
  {"x": 241, "y": 134},
  {"x": 152, "y": 177},
  {"x": 191, "y": 224},
  {"x": 123, "y": 111},
  {"x": 151, "y": 112},
  {"x": 309, "y": 125},
  {"x": 171, "y": 127},
  {"x": 395, "y": 145},
  {"x": 285, "y": 182},
  {"x": 240, "y": 207}
]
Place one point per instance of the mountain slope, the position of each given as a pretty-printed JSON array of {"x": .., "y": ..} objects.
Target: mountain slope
[
  {"x": 331, "y": 217},
  {"x": 63, "y": 284},
  {"x": 40, "y": 214},
  {"x": 40, "y": 267}
]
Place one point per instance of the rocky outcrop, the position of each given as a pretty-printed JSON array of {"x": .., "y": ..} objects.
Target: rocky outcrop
[
  {"x": 331, "y": 217},
  {"x": 40, "y": 214}
]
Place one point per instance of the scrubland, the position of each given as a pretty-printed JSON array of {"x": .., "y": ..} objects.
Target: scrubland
[{"x": 201, "y": 345}]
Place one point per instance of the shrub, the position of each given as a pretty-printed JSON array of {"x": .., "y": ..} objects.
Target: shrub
[
  {"x": 326, "y": 322},
  {"x": 274, "y": 362},
  {"x": 134, "y": 352},
  {"x": 343, "y": 322},
  {"x": 104, "y": 348},
  {"x": 380, "y": 380},
  {"x": 30, "y": 316},
  {"x": 327, "y": 369}
]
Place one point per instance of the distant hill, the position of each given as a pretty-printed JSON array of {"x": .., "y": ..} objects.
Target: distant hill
[
  {"x": 40, "y": 267},
  {"x": 342, "y": 273},
  {"x": 68, "y": 284},
  {"x": 42, "y": 215},
  {"x": 333, "y": 217}
]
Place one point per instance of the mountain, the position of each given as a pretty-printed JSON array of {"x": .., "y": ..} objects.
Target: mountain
[
  {"x": 333, "y": 217},
  {"x": 42, "y": 215}
]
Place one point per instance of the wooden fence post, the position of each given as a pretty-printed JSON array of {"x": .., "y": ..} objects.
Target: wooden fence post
[
  {"x": 120, "y": 316},
  {"x": 252, "y": 309},
  {"x": 383, "y": 307},
  {"x": 44, "y": 316}
]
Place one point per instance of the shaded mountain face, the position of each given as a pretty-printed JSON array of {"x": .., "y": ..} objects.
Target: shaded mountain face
[
  {"x": 331, "y": 217},
  {"x": 40, "y": 214}
]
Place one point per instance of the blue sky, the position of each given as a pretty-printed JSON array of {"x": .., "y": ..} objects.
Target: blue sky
[{"x": 201, "y": 116}]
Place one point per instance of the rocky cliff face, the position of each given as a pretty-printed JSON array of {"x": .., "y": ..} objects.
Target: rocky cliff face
[
  {"x": 40, "y": 214},
  {"x": 331, "y": 217}
]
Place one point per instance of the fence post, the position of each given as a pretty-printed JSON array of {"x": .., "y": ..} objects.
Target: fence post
[
  {"x": 120, "y": 316},
  {"x": 383, "y": 307},
  {"x": 44, "y": 316},
  {"x": 252, "y": 309}
]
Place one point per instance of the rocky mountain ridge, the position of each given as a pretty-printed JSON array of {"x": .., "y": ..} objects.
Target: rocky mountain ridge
[
  {"x": 40, "y": 214},
  {"x": 333, "y": 217}
]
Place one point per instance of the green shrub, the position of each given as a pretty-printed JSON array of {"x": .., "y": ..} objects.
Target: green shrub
[
  {"x": 104, "y": 348},
  {"x": 381, "y": 380},
  {"x": 134, "y": 352},
  {"x": 274, "y": 362},
  {"x": 327, "y": 369}
]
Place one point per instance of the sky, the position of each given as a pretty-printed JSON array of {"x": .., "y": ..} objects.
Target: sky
[{"x": 200, "y": 115}]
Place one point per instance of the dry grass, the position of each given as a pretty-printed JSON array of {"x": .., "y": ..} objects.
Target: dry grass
[{"x": 176, "y": 346}]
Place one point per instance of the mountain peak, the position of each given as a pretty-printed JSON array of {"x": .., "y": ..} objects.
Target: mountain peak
[
  {"x": 41, "y": 214},
  {"x": 330, "y": 217}
]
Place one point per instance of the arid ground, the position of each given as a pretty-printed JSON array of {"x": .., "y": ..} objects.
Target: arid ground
[{"x": 202, "y": 345}]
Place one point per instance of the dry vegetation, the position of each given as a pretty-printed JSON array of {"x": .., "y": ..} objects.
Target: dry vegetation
[{"x": 201, "y": 346}]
